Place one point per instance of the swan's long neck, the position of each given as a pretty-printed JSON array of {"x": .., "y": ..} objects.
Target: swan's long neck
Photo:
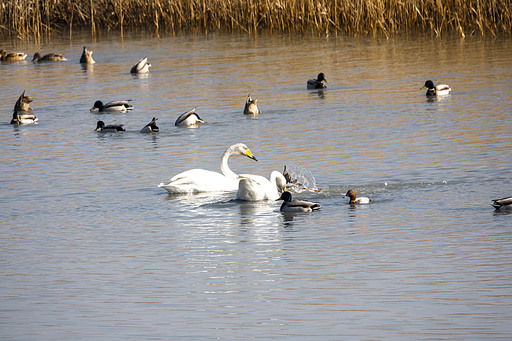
[
  {"x": 274, "y": 177},
  {"x": 224, "y": 167}
]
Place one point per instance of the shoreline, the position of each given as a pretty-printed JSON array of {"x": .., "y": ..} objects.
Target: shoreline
[{"x": 27, "y": 20}]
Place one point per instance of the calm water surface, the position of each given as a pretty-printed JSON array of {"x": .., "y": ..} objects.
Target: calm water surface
[{"x": 92, "y": 249}]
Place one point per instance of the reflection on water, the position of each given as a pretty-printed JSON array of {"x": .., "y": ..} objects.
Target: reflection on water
[{"x": 92, "y": 248}]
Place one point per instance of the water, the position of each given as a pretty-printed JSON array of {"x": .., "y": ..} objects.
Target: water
[{"x": 92, "y": 249}]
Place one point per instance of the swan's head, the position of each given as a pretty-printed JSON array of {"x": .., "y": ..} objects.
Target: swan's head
[
  {"x": 242, "y": 149},
  {"x": 286, "y": 196}
]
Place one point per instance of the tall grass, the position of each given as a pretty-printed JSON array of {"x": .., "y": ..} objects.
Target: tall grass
[{"x": 27, "y": 19}]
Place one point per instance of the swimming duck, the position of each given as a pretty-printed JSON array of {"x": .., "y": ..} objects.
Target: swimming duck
[
  {"x": 353, "y": 200},
  {"x": 111, "y": 128},
  {"x": 189, "y": 118},
  {"x": 255, "y": 187},
  {"x": 23, "y": 117},
  {"x": 12, "y": 57},
  {"x": 86, "y": 57},
  {"x": 151, "y": 127},
  {"x": 290, "y": 205},
  {"x": 50, "y": 57},
  {"x": 121, "y": 106},
  {"x": 318, "y": 82},
  {"x": 23, "y": 103},
  {"x": 251, "y": 106},
  {"x": 142, "y": 66},
  {"x": 201, "y": 180},
  {"x": 436, "y": 90},
  {"x": 505, "y": 203}
]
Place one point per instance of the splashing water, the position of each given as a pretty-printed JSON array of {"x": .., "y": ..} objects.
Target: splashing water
[{"x": 299, "y": 179}]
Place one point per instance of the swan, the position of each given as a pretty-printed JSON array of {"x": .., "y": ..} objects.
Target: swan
[
  {"x": 201, "y": 180},
  {"x": 111, "y": 128},
  {"x": 189, "y": 118},
  {"x": 121, "y": 106},
  {"x": 50, "y": 57},
  {"x": 436, "y": 90},
  {"x": 290, "y": 205},
  {"x": 251, "y": 106},
  {"x": 12, "y": 57},
  {"x": 318, "y": 82},
  {"x": 255, "y": 187},
  {"x": 142, "y": 66},
  {"x": 354, "y": 200},
  {"x": 505, "y": 203},
  {"x": 151, "y": 127},
  {"x": 86, "y": 57}
]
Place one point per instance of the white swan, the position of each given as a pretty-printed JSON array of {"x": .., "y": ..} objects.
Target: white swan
[
  {"x": 255, "y": 187},
  {"x": 201, "y": 180}
]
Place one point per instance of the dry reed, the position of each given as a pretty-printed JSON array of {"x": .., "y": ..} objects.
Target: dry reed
[{"x": 29, "y": 19}]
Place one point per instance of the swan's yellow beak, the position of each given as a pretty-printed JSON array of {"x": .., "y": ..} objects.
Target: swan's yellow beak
[{"x": 249, "y": 155}]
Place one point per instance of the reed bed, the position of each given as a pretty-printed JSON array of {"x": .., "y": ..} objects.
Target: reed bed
[{"x": 26, "y": 19}]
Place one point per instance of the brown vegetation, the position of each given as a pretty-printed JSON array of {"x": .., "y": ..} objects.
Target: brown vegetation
[{"x": 33, "y": 18}]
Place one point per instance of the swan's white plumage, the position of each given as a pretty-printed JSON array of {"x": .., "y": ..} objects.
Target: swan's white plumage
[
  {"x": 255, "y": 187},
  {"x": 201, "y": 180}
]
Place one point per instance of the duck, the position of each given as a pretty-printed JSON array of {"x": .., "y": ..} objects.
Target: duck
[
  {"x": 201, "y": 180},
  {"x": 142, "y": 66},
  {"x": 189, "y": 118},
  {"x": 317, "y": 83},
  {"x": 290, "y": 205},
  {"x": 12, "y": 57},
  {"x": 86, "y": 57},
  {"x": 121, "y": 106},
  {"x": 357, "y": 200},
  {"x": 256, "y": 188},
  {"x": 151, "y": 127},
  {"x": 111, "y": 128},
  {"x": 436, "y": 90},
  {"x": 295, "y": 184},
  {"x": 23, "y": 117},
  {"x": 50, "y": 57},
  {"x": 251, "y": 106},
  {"x": 503, "y": 203},
  {"x": 23, "y": 103}
]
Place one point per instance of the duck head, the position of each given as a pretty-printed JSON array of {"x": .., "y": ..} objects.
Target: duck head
[
  {"x": 321, "y": 78},
  {"x": 428, "y": 85},
  {"x": 286, "y": 196}
]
